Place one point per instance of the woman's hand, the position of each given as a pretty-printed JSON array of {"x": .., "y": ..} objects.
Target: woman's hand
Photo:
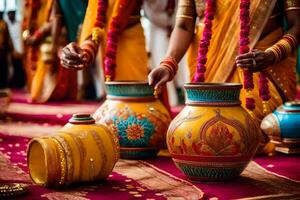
[
  {"x": 255, "y": 60},
  {"x": 159, "y": 76},
  {"x": 72, "y": 57}
]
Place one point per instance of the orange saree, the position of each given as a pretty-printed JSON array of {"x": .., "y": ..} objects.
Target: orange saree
[
  {"x": 132, "y": 60},
  {"x": 51, "y": 81},
  {"x": 224, "y": 48},
  {"x": 36, "y": 13}
]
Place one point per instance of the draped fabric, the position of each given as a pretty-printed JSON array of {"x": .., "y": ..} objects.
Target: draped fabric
[
  {"x": 51, "y": 81},
  {"x": 36, "y": 14},
  {"x": 132, "y": 60},
  {"x": 224, "y": 48},
  {"x": 73, "y": 14}
]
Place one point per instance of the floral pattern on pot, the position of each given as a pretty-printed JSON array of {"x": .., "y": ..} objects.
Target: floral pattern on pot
[{"x": 134, "y": 131}]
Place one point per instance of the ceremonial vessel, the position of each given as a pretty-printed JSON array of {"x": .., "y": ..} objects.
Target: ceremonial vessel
[
  {"x": 136, "y": 116},
  {"x": 213, "y": 138},
  {"x": 81, "y": 151},
  {"x": 283, "y": 127}
]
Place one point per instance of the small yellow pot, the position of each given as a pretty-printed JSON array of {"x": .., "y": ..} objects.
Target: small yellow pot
[{"x": 80, "y": 152}]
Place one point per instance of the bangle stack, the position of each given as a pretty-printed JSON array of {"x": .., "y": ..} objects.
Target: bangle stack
[
  {"x": 90, "y": 49},
  {"x": 283, "y": 47},
  {"x": 171, "y": 65}
]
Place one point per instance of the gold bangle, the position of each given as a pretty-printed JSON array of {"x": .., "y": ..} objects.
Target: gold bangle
[
  {"x": 292, "y": 8},
  {"x": 291, "y": 3},
  {"x": 274, "y": 52},
  {"x": 185, "y": 17}
]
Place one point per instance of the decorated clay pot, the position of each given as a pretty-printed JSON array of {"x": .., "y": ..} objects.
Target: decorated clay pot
[
  {"x": 213, "y": 138},
  {"x": 136, "y": 117},
  {"x": 283, "y": 125},
  {"x": 81, "y": 151}
]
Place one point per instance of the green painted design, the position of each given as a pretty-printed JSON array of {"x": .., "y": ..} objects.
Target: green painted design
[
  {"x": 130, "y": 90},
  {"x": 200, "y": 95},
  {"x": 136, "y": 154},
  {"x": 207, "y": 173}
]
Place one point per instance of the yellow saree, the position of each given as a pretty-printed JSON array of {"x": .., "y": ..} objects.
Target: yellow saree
[
  {"x": 224, "y": 48},
  {"x": 132, "y": 60},
  {"x": 33, "y": 20}
]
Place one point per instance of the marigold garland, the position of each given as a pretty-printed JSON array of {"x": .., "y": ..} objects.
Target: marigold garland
[{"x": 243, "y": 48}]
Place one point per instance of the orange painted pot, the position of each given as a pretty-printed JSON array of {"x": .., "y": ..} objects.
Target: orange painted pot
[
  {"x": 213, "y": 138},
  {"x": 138, "y": 118}
]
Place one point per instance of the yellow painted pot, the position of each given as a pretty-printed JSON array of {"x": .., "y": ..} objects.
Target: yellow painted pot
[
  {"x": 213, "y": 138},
  {"x": 136, "y": 116},
  {"x": 80, "y": 152}
]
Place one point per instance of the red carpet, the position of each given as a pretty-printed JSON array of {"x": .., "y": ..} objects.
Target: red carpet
[{"x": 275, "y": 177}]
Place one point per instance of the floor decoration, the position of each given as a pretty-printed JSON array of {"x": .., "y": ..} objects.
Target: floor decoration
[{"x": 276, "y": 177}]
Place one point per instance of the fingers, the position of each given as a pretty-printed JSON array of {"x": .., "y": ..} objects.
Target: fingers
[
  {"x": 158, "y": 77},
  {"x": 75, "y": 50},
  {"x": 161, "y": 82},
  {"x": 245, "y": 56},
  {"x": 72, "y": 66},
  {"x": 72, "y": 57}
]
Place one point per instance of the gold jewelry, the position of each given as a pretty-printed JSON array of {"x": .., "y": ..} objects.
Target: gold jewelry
[
  {"x": 185, "y": 17},
  {"x": 283, "y": 47},
  {"x": 186, "y": 9},
  {"x": 9, "y": 190},
  {"x": 291, "y": 5},
  {"x": 292, "y": 8}
]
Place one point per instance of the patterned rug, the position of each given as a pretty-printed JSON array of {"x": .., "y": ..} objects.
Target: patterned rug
[{"x": 276, "y": 177}]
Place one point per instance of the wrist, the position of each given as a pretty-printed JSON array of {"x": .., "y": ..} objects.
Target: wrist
[
  {"x": 271, "y": 57},
  {"x": 171, "y": 65}
]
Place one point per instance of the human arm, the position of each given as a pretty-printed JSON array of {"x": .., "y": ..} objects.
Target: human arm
[
  {"x": 180, "y": 40},
  {"x": 258, "y": 60}
]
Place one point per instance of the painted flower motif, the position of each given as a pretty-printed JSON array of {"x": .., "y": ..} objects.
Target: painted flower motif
[
  {"x": 134, "y": 131},
  {"x": 220, "y": 141}
]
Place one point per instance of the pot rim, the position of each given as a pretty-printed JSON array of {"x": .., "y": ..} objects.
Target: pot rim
[
  {"x": 127, "y": 83},
  {"x": 212, "y": 86}
]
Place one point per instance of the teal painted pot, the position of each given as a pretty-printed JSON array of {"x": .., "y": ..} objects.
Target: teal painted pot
[
  {"x": 283, "y": 125},
  {"x": 138, "y": 119},
  {"x": 213, "y": 138}
]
